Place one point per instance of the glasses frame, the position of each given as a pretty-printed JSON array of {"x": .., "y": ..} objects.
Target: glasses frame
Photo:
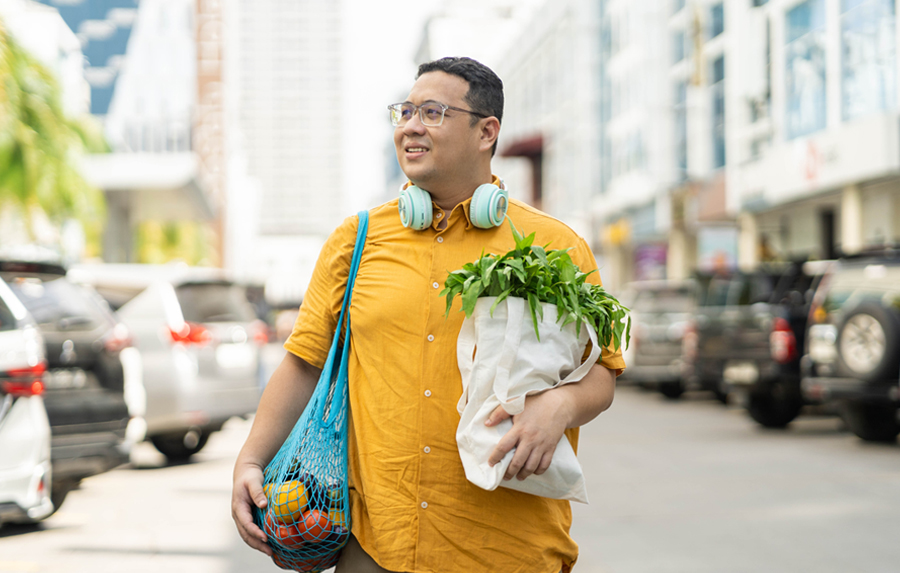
[{"x": 418, "y": 108}]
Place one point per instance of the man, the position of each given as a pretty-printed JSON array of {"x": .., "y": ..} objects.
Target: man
[{"x": 412, "y": 508}]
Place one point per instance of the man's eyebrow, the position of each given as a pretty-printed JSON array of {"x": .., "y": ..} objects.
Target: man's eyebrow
[{"x": 424, "y": 102}]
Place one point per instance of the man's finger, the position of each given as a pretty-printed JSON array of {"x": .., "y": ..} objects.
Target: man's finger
[
  {"x": 506, "y": 443},
  {"x": 534, "y": 461},
  {"x": 258, "y": 495},
  {"x": 518, "y": 461},
  {"x": 497, "y": 416},
  {"x": 546, "y": 460}
]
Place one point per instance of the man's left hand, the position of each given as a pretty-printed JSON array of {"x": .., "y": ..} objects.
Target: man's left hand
[{"x": 534, "y": 435}]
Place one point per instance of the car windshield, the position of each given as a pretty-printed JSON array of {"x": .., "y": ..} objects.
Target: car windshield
[
  {"x": 664, "y": 300},
  {"x": 58, "y": 304},
  {"x": 214, "y": 302}
]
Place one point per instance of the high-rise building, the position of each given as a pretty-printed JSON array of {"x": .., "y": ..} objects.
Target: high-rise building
[{"x": 287, "y": 90}]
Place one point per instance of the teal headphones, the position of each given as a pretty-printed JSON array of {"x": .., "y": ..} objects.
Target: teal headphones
[{"x": 487, "y": 209}]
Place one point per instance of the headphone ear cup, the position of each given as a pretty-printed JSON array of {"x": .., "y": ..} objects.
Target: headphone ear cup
[
  {"x": 415, "y": 208},
  {"x": 488, "y": 206}
]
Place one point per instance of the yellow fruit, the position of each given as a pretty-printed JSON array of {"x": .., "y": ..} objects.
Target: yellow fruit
[
  {"x": 338, "y": 518},
  {"x": 288, "y": 501}
]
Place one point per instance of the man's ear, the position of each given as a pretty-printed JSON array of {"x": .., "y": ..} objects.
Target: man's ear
[{"x": 490, "y": 131}]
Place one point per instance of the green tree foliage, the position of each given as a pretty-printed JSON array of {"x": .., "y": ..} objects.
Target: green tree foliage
[{"x": 39, "y": 144}]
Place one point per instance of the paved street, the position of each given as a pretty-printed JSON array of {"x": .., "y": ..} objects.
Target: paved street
[{"x": 687, "y": 487}]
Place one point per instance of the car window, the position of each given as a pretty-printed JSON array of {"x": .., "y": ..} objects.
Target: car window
[
  {"x": 7, "y": 320},
  {"x": 59, "y": 304},
  {"x": 664, "y": 300},
  {"x": 874, "y": 282},
  {"x": 717, "y": 292},
  {"x": 214, "y": 302}
]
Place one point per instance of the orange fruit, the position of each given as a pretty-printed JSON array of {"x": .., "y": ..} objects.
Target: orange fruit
[
  {"x": 288, "y": 501},
  {"x": 315, "y": 524}
]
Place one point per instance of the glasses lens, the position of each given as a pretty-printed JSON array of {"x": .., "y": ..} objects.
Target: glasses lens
[
  {"x": 400, "y": 113},
  {"x": 432, "y": 114}
]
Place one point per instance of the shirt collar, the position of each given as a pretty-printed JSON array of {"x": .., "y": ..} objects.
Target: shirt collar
[{"x": 463, "y": 206}]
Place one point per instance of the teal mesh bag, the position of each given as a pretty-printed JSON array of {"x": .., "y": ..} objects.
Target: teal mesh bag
[{"x": 307, "y": 518}]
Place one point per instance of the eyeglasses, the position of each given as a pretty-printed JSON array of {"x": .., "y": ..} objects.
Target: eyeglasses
[{"x": 430, "y": 113}]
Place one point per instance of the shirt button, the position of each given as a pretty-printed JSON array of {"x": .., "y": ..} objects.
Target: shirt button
[
  {"x": 435, "y": 285},
  {"x": 439, "y": 215},
  {"x": 424, "y": 505},
  {"x": 427, "y": 393},
  {"x": 430, "y": 338},
  {"x": 427, "y": 450},
  {"x": 440, "y": 239}
]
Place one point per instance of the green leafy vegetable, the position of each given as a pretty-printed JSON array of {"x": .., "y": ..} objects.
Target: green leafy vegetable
[{"x": 538, "y": 275}]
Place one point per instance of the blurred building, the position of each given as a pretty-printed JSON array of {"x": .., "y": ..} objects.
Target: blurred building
[
  {"x": 284, "y": 103},
  {"x": 816, "y": 133},
  {"x": 141, "y": 61},
  {"x": 551, "y": 121}
]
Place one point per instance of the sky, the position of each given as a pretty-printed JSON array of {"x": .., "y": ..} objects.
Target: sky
[{"x": 381, "y": 41}]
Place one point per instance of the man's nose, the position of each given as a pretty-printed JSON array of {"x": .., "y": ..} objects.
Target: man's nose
[{"x": 414, "y": 125}]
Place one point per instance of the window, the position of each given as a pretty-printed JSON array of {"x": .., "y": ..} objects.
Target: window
[
  {"x": 677, "y": 6},
  {"x": 868, "y": 60},
  {"x": 680, "y": 109},
  {"x": 717, "y": 93},
  {"x": 677, "y": 47},
  {"x": 716, "y": 20},
  {"x": 805, "y": 68}
]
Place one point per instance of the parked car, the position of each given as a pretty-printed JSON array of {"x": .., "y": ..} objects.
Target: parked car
[
  {"x": 199, "y": 339},
  {"x": 746, "y": 338},
  {"x": 660, "y": 313},
  {"x": 25, "y": 471},
  {"x": 853, "y": 351},
  {"x": 85, "y": 381}
]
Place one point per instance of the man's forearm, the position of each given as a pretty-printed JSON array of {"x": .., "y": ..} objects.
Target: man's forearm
[
  {"x": 286, "y": 395},
  {"x": 590, "y": 396}
]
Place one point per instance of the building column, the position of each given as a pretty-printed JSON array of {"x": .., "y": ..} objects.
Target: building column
[
  {"x": 851, "y": 220},
  {"x": 677, "y": 266},
  {"x": 748, "y": 242}
]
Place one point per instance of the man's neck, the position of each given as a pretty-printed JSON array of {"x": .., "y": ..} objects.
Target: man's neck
[{"x": 449, "y": 195}]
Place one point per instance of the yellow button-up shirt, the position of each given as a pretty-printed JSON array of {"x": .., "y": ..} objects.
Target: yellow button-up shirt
[{"x": 413, "y": 509}]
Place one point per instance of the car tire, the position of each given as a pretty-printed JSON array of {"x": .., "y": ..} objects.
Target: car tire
[
  {"x": 776, "y": 405},
  {"x": 671, "y": 390},
  {"x": 868, "y": 343},
  {"x": 872, "y": 421},
  {"x": 179, "y": 447}
]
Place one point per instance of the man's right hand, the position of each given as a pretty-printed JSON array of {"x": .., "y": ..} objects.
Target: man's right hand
[{"x": 247, "y": 493}]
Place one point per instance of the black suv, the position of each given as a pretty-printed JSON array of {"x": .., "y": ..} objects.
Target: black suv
[
  {"x": 84, "y": 381},
  {"x": 746, "y": 338},
  {"x": 853, "y": 351}
]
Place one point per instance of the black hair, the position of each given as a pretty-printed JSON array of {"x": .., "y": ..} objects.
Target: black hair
[{"x": 485, "y": 95}]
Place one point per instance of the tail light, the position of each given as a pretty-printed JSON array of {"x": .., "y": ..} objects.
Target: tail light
[
  {"x": 689, "y": 342},
  {"x": 24, "y": 381},
  {"x": 260, "y": 332},
  {"x": 191, "y": 333},
  {"x": 117, "y": 340},
  {"x": 782, "y": 342}
]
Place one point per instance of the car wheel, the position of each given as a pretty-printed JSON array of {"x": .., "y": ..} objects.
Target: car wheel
[
  {"x": 872, "y": 422},
  {"x": 776, "y": 405},
  {"x": 671, "y": 390},
  {"x": 59, "y": 491},
  {"x": 868, "y": 342},
  {"x": 181, "y": 446}
]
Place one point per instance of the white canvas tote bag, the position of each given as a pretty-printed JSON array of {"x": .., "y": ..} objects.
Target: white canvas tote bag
[{"x": 501, "y": 362}]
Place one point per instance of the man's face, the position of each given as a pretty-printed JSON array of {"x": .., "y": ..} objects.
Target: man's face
[{"x": 429, "y": 154}]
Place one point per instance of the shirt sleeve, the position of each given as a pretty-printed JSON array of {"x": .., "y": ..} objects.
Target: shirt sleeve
[
  {"x": 314, "y": 329},
  {"x": 584, "y": 258}
]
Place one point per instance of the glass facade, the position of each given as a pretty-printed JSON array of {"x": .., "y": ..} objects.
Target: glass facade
[
  {"x": 805, "y": 68},
  {"x": 717, "y": 93},
  {"x": 716, "y": 20},
  {"x": 868, "y": 57},
  {"x": 680, "y": 109}
]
